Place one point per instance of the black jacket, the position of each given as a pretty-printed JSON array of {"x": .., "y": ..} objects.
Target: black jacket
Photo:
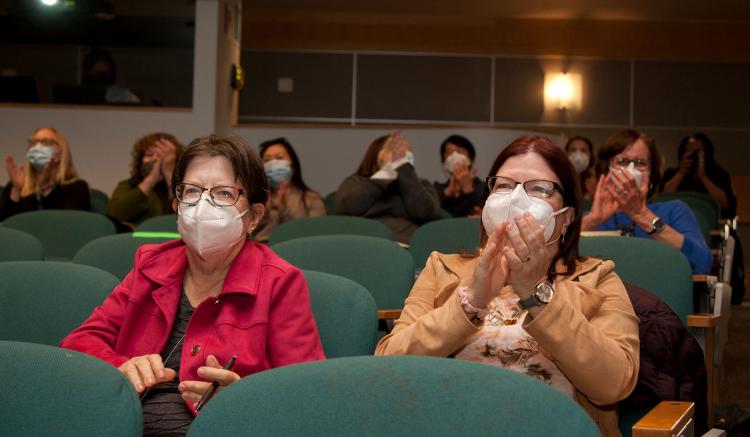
[{"x": 672, "y": 364}]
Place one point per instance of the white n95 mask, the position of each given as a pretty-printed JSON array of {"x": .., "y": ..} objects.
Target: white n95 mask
[
  {"x": 453, "y": 160},
  {"x": 580, "y": 160},
  {"x": 501, "y": 207},
  {"x": 207, "y": 229},
  {"x": 637, "y": 174}
]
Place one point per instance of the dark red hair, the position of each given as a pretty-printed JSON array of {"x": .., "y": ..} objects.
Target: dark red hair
[{"x": 560, "y": 164}]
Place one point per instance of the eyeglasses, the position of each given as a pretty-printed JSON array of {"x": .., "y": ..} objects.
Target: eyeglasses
[
  {"x": 639, "y": 163},
  {"x": 540, "y": 188},
  {"x": 44, "y": 141},
  {"x": 220, "y": 196}
]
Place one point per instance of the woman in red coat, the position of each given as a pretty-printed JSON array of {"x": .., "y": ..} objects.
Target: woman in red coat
[{"x": 188, "y": 306}]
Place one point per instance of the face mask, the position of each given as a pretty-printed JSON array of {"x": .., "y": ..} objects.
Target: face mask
[
  {"x": 580, "y": 160},
  {"x": 453, "y": 160},
  {"x": 278, "y": 171},
  {"x": 39, "y": 155},
  {"x": 637, "y": 174},
  {"x": 504, "y": 207},
  {"x": 207, "y": 229},
  {"x": 146, "y": 168},
  {"x": 410, "y": 158}
]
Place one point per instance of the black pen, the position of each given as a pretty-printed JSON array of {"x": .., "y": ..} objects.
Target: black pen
[{"x": 214, "y": 385}]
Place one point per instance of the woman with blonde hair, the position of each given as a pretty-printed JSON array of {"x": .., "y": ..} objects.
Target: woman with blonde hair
[{"x": 47, "y": 180}]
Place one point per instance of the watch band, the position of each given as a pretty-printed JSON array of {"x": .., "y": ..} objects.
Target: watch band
[
  {"x": 656, "y": 226},
  {"x": 530, "y": 302}
]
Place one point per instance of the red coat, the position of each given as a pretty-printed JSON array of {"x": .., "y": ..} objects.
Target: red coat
[{"x": 262, "y": 314}]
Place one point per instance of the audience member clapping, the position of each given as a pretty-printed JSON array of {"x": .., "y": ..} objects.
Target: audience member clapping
[
  {"x": 621, "y": 200},
  {"x": 46, "y": 180},
  {"x": 386, "y": 188},
  {"x": 463, "y": 193}
]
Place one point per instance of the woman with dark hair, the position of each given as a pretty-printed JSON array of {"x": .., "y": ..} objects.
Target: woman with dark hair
[
  {"x": 192, "y": 305},
  {"x": 46, "y": 180},
  {"x": 621, "y": 200},
  {"x": 386, "y": 188},
  {"x": 463, "y": 193},
  {"x": 148, "y": 192},
  {"x": 290, "y": 197},
  {"x": 581, "y": 153},
  {"x": 527, "y": 301},
  {"x": 699, "y": 172}
]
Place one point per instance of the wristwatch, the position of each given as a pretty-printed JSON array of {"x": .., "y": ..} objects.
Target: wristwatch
[
  {"x": 540, "y": 296},
  {"x": 656, "y": 226}
]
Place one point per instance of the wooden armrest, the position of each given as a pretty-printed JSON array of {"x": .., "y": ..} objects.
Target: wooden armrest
[
  {"x": 666, "y": 419},
  {"x": 601, "y": 234},
  {"x": 716, "y": 233},
  {"x": 703, "y": 320},
  {"x": 389, "y": 314},
  {"x": 705, "y": 278}
]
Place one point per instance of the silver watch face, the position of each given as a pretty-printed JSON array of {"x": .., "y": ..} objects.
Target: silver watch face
[{"x": 544, "y": 292}]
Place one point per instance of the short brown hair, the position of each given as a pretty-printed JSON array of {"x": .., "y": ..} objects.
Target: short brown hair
[
  {"x": 246, "y": 164},
  {"x": 141, "y": 146},
  {"x": 621, "y": 140},
  {"x": 560, "y": 164},
  {"x": 369, "y": 164}
]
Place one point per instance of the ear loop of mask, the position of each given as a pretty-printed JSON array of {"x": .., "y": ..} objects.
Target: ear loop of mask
[{"x": 559, "y": 237}]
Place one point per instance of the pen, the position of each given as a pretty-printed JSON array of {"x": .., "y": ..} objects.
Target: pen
[{"x": 214, "y": 385}]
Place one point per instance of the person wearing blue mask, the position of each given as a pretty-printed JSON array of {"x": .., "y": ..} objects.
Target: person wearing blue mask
[
  {"x": 621, "y": 200},
  {"x": 290, "y": 197},
  {"x": 46, "y": 180},
  {"x": 386, "y": 188}
]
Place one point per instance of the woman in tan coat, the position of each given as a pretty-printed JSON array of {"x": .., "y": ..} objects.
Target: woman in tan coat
[{"x": 528, "y": 302}]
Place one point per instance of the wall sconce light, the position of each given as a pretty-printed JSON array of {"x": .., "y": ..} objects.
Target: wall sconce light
[{"x": 562, "y": 91}]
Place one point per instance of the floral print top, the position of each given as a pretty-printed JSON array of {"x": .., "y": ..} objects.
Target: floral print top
[{"x": 503, "y": 342}]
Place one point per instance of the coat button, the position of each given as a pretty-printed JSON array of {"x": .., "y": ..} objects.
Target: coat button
[
  {"x": 217, "y": 301},
  {"x": 195, "y": 350}
]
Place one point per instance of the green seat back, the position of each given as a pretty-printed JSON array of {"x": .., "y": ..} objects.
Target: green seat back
[
  {"x": 99, "y": 201},
  {"x": 62, "y": 232},
  {"x": 17, "y": 245},
  {"x": 391, "y": 396},
  {"x": 454, "y": 235},
  {"x": 328, "y": 225},
  {"x": 113, "y": 253},
  {"x": 705, "y": 207},
  {"x": 330, "y": 202},
  {"x": 43, "y": 301},
  {"x": 384, "y": 268},
  {"x": 345, "y": 313},
  {"x": 655, "y": 266},
  {"x": 162, "y": 223},
  {"x": 51, "y": 391}
]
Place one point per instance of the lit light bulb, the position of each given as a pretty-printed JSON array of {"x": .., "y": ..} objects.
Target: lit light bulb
[
  {"x": 49, "y": 2},
  {"x": 562, "y": 91}
]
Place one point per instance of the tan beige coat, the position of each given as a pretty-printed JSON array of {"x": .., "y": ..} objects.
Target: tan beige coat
[
  {"x": 589, "y": 329},
  {"x": 297, "y": 206}
]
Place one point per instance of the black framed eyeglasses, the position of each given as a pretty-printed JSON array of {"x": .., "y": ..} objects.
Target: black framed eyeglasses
[
  {"x": 539, "y": 188},
  {"x": 220, "y": 196},
  {"x": 639, "y": 163}
]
